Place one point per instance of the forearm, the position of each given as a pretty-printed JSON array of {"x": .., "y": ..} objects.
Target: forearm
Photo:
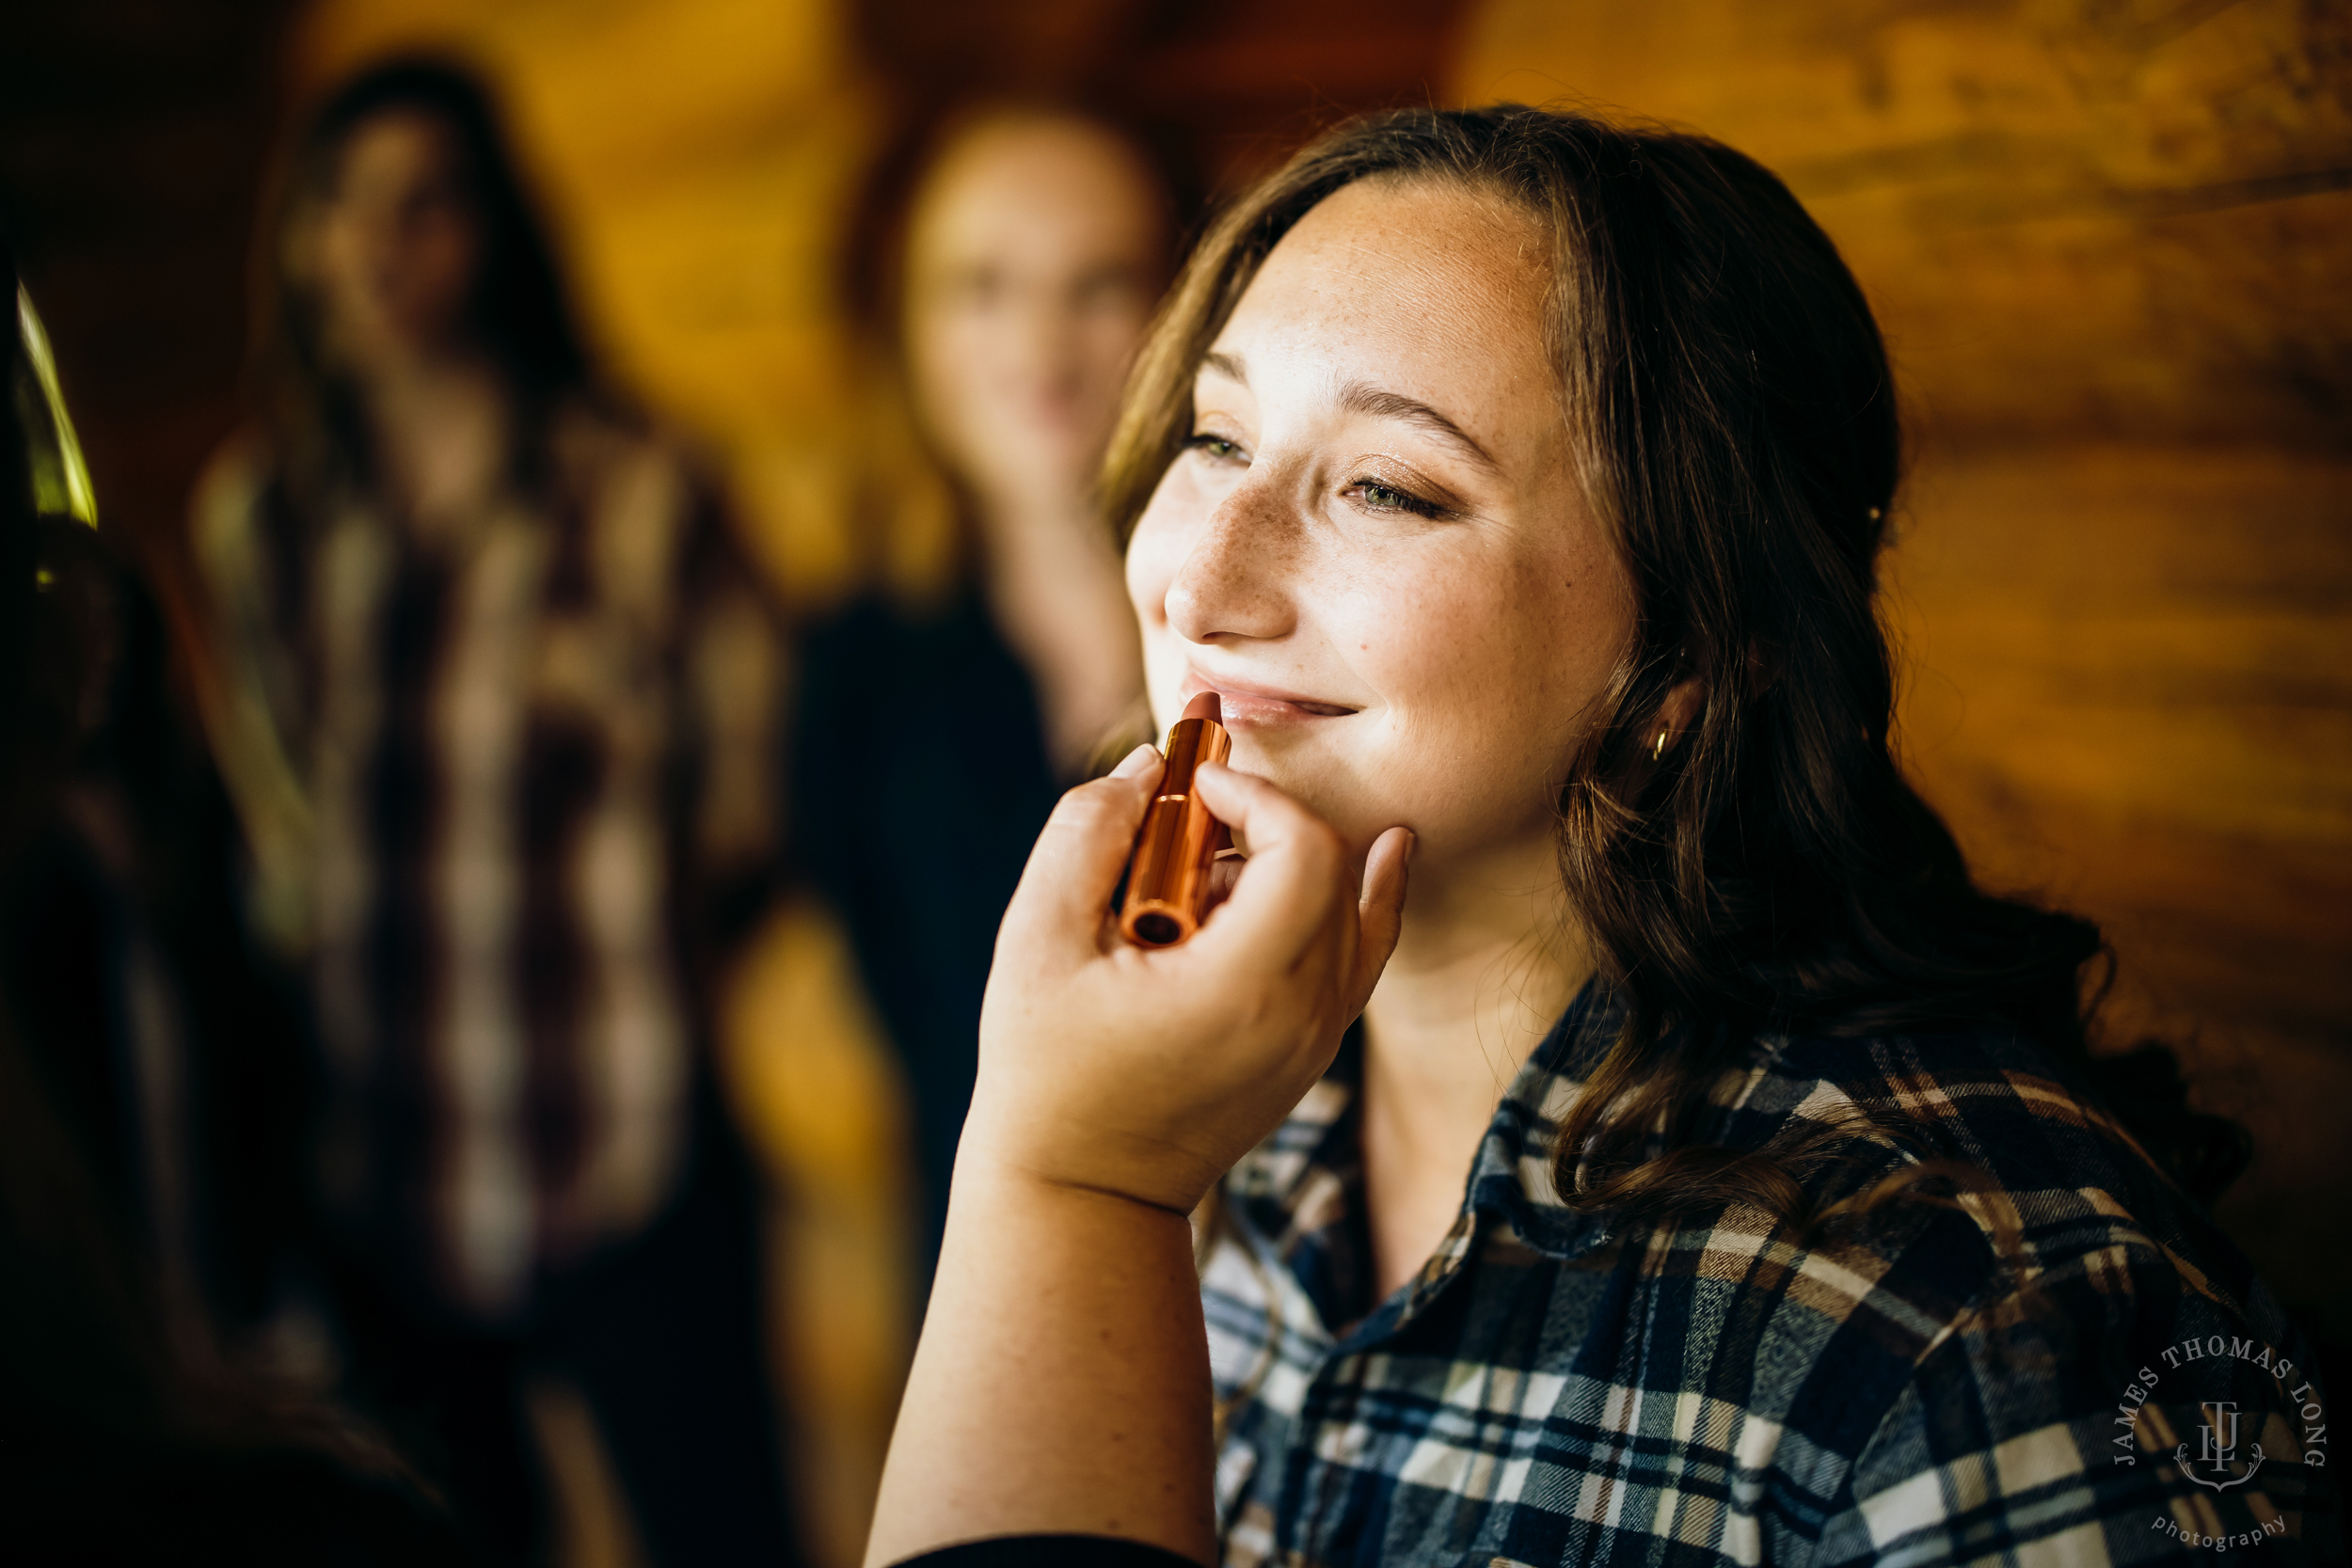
[{"x": 1061, "y": 1384}]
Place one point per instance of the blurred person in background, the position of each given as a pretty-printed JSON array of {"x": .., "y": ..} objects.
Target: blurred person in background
[
  {"x": 148, "y": 1089},
  {"x": 495, "y": 700},
  {"x": 1005, "y": 264}
]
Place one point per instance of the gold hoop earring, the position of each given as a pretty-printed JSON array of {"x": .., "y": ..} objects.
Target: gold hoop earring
[{"x": 1657, "y": 752}]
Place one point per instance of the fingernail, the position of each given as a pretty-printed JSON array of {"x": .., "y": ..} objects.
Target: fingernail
[
  {"x": 1412, "y": 846},
  {"x": 1136, "y": 763}
]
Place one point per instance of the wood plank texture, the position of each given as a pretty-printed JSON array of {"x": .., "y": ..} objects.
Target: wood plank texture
[{"x": 2108, "y": 241}]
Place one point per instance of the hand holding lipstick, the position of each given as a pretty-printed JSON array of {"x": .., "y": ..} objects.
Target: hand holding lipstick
[
  {"x": 1146, "y": 1072},
  {"x": 1063, "y": 1353}
]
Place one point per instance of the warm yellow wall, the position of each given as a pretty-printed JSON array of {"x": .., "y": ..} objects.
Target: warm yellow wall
[
  {"x": 2076, "y": 215},
  {"x": 2108, "y": 243}
]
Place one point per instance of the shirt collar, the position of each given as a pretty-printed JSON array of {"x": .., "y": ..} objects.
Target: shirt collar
[
  {"x": 1512, "y": 1177},
  {"x": 1300, "y": 1192}
]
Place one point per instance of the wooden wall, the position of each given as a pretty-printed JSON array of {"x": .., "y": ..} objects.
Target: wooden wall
[
  {"x": 2108, "y": 239},
  {"x": 2109, "y": 242}
]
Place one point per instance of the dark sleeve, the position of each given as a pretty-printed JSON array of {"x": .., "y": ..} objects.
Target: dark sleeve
[{"x": 1050, "y": 1551}]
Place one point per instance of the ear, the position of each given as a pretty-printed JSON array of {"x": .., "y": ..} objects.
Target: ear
[{"x": 1677, "y": 712}]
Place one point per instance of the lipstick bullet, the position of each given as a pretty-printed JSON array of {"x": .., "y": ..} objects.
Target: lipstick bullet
[{"x": 1167, "y": 876}]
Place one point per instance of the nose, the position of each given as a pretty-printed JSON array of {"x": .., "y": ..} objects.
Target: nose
[
  {"x": 1041, "y": 350},
  {"x": 381, "y": 238},
  {"x": 1235, "y": 582}
]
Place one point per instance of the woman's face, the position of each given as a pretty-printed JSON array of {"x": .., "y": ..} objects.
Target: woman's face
[
  {"x": 1375, "y": 549},
  {"x": 395, "y": 242},
  {"x": 1034, "y": 257}
]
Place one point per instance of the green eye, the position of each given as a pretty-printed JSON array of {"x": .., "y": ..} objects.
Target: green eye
[
  {"x": 1215, "y": 446},
  {"x": 1373, "y": 496}
]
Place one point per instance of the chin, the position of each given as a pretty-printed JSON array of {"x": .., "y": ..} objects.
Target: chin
[{"x": 1310, "y": 775}]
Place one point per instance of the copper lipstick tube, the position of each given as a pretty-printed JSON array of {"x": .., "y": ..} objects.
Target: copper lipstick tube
[{"x": 1167, "y": 876}]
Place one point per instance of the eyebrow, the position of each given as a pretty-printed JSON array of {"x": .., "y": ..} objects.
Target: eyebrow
[{"x": 1361, "y": 397}]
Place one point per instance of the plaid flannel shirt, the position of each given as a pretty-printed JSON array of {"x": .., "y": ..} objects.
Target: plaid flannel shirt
[
  {"x": 2068, "y": 1366},
  {"x": 507, "y": 785}
]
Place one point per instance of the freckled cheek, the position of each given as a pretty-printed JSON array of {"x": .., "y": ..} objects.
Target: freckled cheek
[
  {"x": 1472, "y": 694},
  {"x": 1428, "y": 648}
]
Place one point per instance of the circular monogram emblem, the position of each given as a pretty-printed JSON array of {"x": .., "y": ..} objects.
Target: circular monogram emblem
[{"x": 2218, "y": 1409}]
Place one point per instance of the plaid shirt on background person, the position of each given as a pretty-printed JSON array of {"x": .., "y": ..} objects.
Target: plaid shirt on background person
[
  {"x": 501, "y": 787},
  {"x": 1937, "y": 1383}
]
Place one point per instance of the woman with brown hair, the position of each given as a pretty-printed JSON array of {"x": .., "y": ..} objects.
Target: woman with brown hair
[
  {"x": 1001, "y": 272},
  {"x": 498, "y": 704},
  {"x": 1693, "y": 1165}
]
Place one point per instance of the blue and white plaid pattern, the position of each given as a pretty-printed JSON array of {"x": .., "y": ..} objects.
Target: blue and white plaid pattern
[{"x": 1982, "y": 1379}]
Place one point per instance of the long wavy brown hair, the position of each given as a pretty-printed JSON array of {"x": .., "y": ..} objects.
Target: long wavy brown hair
[
  {"x": 518, "y": 313},
  {"x": 1734, "y": 418}
]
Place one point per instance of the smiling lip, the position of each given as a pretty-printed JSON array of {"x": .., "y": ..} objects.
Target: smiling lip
[{"x": 1251, "y": 707}]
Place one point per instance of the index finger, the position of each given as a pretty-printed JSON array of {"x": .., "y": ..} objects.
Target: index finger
[
  {"x": 1296, "y": 880},
  {"x": 1074, "y": 867}
]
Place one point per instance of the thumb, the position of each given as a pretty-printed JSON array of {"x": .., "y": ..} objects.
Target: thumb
[{"x": 1380, "y": 912}]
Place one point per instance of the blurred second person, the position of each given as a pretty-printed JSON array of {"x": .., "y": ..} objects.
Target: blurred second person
[
  {"x": 496, "y": 698},
  {"x": 1005, "y": 264}
]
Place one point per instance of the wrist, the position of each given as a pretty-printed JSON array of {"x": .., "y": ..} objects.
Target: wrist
[{"x": 1006, "y": 1182}]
